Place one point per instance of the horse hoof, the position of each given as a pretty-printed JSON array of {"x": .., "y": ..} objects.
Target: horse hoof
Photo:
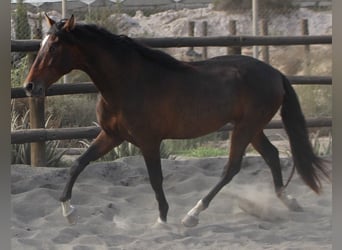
[
  {"x": 69, "y": 212},
  {"x": 290, "y": 202},
  {"x": 72, "y": 218},
  {"x": 294, "y": 206},
  {"x": 190, "y": 221},
  {"x": 160, "y": 224}
]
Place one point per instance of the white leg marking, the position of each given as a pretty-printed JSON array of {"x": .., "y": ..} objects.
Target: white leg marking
[
  {"x": 160, "y": 221},
  {"x": 290, "y": 202},
  {"x": 191, "y": 219},
  {"x": 160, "y": 224},
  {"x": 69, "y": 211}
]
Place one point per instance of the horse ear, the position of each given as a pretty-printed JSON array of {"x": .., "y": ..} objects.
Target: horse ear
[
  {"x": 49, "y": 20},
  {"x": 69, "y": 24}
]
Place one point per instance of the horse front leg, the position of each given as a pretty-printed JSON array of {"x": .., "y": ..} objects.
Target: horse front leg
[
  {"x": 99, "y": 147},
  {"x": 153, "y": 163}
]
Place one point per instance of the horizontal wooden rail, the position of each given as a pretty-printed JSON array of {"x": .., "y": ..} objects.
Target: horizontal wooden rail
[
  {"x": 39, "y": 135},
  {"x": 60, "y": 89},
  {"x": 310, "y": 80},
  {"x": 88, "y": 87},
  {"x": 235, "y": 41},
  {"x": 220, "y": 41},
  {"x": 278, "y": 124}
]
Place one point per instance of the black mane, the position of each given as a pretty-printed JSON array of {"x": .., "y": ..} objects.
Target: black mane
[{"x": 114, "y": 43}]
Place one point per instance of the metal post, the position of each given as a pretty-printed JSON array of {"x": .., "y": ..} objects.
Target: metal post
[
  {"x": 64, "y": 10},
  {"x": 176, "y": 3},
  {"x": 255, "y": 15}
]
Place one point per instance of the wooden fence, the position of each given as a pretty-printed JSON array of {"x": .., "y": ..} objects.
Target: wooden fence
[
  {"x": 218, "y": 41},
  {"x": 42, "y": 135}
]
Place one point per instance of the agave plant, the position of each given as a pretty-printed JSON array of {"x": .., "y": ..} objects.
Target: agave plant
[{"x": 20, "y": 153}]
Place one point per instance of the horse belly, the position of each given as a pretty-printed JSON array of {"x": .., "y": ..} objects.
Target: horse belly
[{"x": 198, "y": 120}]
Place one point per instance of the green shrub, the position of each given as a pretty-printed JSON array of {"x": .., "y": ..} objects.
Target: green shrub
[
  {"x": 315, "y": 100},
  {"x": 19, "y": 71},
  {"x": 72, "y": 111},
  {"x": 22, "y": 27},
  {"x": 20, "y": 153},
  {"x": 204, "y": 151},
  {"x": 199, "y": 145}
]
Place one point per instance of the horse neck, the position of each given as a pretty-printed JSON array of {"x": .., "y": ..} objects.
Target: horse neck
[{"x": 105, "y": 70}]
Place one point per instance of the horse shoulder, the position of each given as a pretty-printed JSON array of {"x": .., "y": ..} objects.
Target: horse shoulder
[{"x": 107, "y": 117}]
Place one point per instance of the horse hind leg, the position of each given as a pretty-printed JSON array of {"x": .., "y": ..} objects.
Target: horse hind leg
[
  {"x": 241, "y": 137},
  {"x": 271, "y": 156}
]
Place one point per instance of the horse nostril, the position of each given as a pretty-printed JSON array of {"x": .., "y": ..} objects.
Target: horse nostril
[{"x": 29, "y": 87}]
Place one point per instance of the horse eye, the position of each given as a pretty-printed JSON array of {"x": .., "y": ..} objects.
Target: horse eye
[{"x": 52, "y": 48}]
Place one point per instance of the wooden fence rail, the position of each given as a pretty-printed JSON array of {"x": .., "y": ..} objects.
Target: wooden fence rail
[
  {"x": 221, "y": 41},
  {"x": 88, "y": 87},
  {"x": 41, "y": 135}
]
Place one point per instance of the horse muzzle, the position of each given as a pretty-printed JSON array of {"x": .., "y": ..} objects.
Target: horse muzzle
[{"x": 34, "y": 89}]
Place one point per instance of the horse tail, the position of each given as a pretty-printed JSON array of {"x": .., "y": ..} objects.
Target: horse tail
[{"x": 310, "y": 167}]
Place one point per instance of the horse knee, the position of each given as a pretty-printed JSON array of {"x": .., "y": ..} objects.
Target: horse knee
[
  {"x": 77, "y": 167},
  {"x": 268, "y": 151},
  {"x": 229, "y": 173},
  {"x": 74, "y": 169},
  {"x": 273, "y": 154}
]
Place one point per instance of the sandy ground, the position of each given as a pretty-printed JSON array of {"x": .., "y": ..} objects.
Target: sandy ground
[{"x": 117, "y": 209}]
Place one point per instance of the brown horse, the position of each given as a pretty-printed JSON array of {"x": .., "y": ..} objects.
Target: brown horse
[{"x": 148, "y": 96}]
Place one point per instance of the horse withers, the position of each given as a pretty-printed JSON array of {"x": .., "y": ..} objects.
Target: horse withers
[{"x": 148, "y": 96}]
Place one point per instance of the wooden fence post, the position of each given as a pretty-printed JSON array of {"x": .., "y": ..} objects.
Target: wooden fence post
[
  {"x": 204, "y": 33},
  {"x": 191, "y": 31},
  {"x": 305, "y": 32},
  {"x": 265, "y": 55},
  {"x": 191, "y": 53},
  {"x": 37, "y": 119},
  {"x": 233, "y": 50}
]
